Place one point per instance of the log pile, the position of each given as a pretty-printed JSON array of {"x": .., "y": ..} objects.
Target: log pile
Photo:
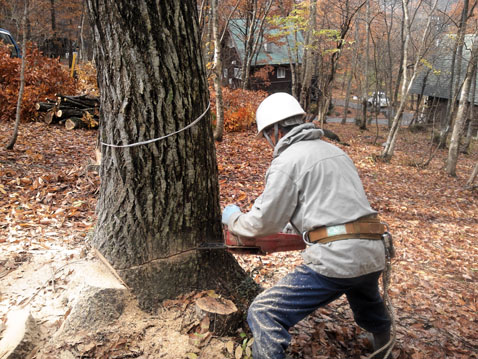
[{"x": 71, "y": 111}]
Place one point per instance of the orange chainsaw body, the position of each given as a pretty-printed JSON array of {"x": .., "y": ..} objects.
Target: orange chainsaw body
[{"x": 279, "y": 242}]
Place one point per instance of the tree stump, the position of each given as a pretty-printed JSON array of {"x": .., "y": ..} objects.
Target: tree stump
[{"x": 222, "y": 314}]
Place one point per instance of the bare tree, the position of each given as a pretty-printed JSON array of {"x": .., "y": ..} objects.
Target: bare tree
[
  {"x": 363, "y": 122},
  {"x": 455, "y": 69},
  {"x": 471, "y": 110},
  {"x": 256, "y": 13},
  {"x": 459, "y": 120},
  {"x": 473, "y": 176},
  {"x": 407, "y": 80},
  {"x": 308, "y": 59},
  {"x": 13, "y": 139},
  {"x": 352, "y": 71},
  {"x": 217, "y": 70}
]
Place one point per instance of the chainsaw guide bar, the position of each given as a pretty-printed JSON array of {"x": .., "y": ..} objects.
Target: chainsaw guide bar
[{"x": 279, "y": 242}]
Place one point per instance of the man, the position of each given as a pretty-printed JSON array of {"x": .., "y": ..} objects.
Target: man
[{"x": 314, "y": 187}]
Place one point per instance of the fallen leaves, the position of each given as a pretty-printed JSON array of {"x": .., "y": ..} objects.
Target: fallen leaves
[{"x": 47, "y": 198}]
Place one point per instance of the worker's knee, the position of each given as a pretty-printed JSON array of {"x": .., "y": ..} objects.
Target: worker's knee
[
  {"x": 253, "y": 312},
  {"x": 258, "y": 311}
]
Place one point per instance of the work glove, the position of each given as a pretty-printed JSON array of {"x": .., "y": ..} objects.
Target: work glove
[{"x": 226, "y": 214}]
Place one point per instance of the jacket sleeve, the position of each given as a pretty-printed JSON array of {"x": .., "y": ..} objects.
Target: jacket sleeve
[{"x": 271, "y": 211}]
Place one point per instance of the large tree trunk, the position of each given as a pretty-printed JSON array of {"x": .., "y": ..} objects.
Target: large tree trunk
[{"x": 160, "y": 201}]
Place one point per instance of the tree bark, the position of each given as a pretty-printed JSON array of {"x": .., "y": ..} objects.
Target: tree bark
[{"x": 160, "y": 201}]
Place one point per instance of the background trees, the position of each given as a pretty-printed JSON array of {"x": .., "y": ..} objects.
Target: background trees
[{"x": 359, "y": 44}]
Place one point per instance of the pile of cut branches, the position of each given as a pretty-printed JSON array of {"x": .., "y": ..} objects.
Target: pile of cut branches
[{"x": 72, "y": 111}]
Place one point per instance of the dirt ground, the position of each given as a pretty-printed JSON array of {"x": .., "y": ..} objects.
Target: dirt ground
[{"x": 48, "y": 196}]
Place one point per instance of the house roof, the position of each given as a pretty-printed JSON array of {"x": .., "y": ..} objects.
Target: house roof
[
  {"x": 270, "y": 53},
  {"x": 437, "y": 78}
]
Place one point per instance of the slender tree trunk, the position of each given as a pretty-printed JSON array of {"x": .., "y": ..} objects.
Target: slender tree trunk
[
  {"x": 473, "y": 175},
  {"x": 16, "y": 127},
  {"x": 294, "y": 74},
  {"x": 389, "y": 148},
  {"x": 309, "y": 63},
  {"x": 363, "y": 123},
  {"x": 293, "y": 56},
  {"x": 218, "y": 133},
  {"x": 351, "y": 73},
  {"x": 158, "y": 202},
  {"x": 455, "y": 76},
  {"x": 453, "y": 150},
  {"x": 80, "y": 32},
  {"x": 471, "y": 110},
  {"x": 389, "y": 75},
  {"x": 53, "y": 17},
  {"x": 254, "y": 39}
]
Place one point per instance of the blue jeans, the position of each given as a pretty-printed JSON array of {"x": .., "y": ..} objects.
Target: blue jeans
[{"x": 300, "y": 293}]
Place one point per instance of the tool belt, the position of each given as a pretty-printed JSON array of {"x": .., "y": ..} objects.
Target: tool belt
[{"x": 368, "y": 227}]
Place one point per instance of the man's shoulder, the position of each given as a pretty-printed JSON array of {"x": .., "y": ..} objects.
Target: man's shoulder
[{"x": 317, "y": 149}]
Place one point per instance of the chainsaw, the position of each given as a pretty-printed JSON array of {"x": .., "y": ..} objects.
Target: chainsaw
[{"x": 279, "y": 242}]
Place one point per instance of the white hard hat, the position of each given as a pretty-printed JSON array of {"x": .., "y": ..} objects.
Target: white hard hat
[{"x": 275, "y": 108}]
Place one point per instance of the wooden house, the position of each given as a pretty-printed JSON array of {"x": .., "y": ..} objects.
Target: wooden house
[
  {"x": 273, "y": 57},
  {"x": 433, "y": 82}
]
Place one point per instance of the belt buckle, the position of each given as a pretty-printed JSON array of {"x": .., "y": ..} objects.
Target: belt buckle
[{"x": 305, "y": 238}]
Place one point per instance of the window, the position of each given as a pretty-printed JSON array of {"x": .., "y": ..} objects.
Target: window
[
  {"x": 281, "y": 73},
  {"x": 5, "y": 38},
  {"x": 237, "y": 73}
]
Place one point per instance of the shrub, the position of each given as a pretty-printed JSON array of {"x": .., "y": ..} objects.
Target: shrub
[
  {"x": 239, "y": 108},
  {"x": 44, "y": 78}
]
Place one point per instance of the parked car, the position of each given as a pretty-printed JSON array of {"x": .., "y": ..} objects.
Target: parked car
[
  {"x": 7, "y": 38},
  {"x": 378, "y": 99}
]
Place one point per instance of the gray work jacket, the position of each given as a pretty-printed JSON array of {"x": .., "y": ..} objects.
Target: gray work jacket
[{"x": 312, "y": 183}]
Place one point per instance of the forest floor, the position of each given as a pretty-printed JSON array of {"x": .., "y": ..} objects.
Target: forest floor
[{"x": 47, "y": 209}]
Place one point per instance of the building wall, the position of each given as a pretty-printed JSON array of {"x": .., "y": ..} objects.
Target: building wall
[{"x": 436, "y": 112}]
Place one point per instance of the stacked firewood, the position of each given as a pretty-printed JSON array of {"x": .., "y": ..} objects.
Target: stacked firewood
[{"x": 72, "y": 111}]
